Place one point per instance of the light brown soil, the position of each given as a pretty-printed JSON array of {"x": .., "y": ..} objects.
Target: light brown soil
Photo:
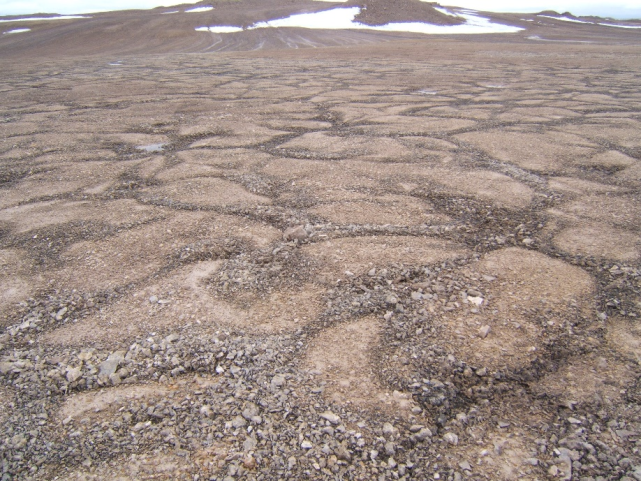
[{"x": 465, "y": 254}]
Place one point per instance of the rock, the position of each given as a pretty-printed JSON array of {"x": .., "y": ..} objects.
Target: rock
[
  {"x": 391, "y": 300},
  {"x": 477, "y": 301},
  {"x": 306, "y": 445},
  {"x": 249, "y": 462},
  {"x": 451, "y": 438},
  {"x": 343, "y": 453},
  {"x": 86, "y": 355},
  {"x": 388, "y": 429},
  {"x": 423, "y": 434},
  {"x": 414, "y": 428},
  {"x": 250, "y": 444},
  {"x": 153, "y": 299},
  {"x": 172, "y": 338},
  {"x": 278, "y": 381},
  {"x": 390, "y": 448},
  {"x": 331, "y": 417},
  {"x": 565, "y": 464},
  {"x": 6, "y": 367},
  {"x": 108, "y": 367},
  {"x": 73, "y": 374},
  {"x": 238, "y": 422},
  {"x": 465, "y": 466},
  {"x": 251, "y": 411},
  {"x": 295, "y": 233},
  {"x": 484, "y": 331}
]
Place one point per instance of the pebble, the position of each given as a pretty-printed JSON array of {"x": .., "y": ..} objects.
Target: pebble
[
  {"x": 451, "y": 438},
  {"x": 331, "y": 417},
  {"x": 388, "y": 429},
  {"x": 295, "y": 233},
  {"x": 484, "y": 331}
]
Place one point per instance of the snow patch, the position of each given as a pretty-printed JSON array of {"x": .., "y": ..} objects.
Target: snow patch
[
  {"x": 619, "y": 26},
  {"x": 17, "y": 30},
  {"x": 220, "y": 29},
  {"x": 343, "y": 18},
  {"x": 206, "y": 8},
  {"x": 565, "y": 19},
  {"x": 445, "y": 11}
]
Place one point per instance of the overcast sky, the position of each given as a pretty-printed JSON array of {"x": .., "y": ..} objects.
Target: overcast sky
[{"x": 613, "y": 8}]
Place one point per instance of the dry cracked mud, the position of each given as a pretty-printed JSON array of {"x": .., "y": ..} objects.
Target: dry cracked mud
[{"x": 406, "y": 258}]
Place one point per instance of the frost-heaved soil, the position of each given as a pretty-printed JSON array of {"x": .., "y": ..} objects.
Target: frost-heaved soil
[{"x": 298, "y": 265}]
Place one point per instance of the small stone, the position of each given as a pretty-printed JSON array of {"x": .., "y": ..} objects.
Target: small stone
[
  {"x": 295, "y": 233},
  {"x": 388, "y": 429},
  {"x": 249, "y": 462},
  {"x": 6, "y": 367},
  {"x": 451, "y": 438},
  {"x": 331, "y": 417},
  {"x": 108, "y": 367},
  {"x": 372, "y": 272},
  {"x": 423, "y": 434},
  {"x": 465, "y": 466},
  {"x": 250, "y": 444},
  {"x": 390, "y": 448},
  {"x": 172, "y": 338},
  {"x": 343, "y": 453},
  {"x": 306, "y": 445},
  {"x": 477, "y": 301},
  {"x": 73, "y": 374},
  {"x": 531, "y": 461},
  {"x": 153, "y": 299},
  {"x": 251, "y": 410},
  {"x": 391, "y": 463},
  {"x": 238, "y": 422},
  {"x": 414, "y": 428},
  {"x": 484, "y": 331},
  {"x": 278, "y": 381}
]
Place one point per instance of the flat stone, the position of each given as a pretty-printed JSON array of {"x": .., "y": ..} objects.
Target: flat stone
[
  {"x": 451, "y": 438},
  {"x": 108, "y": 367},
  {"x": 73, "y": 374},
  {"x": 331, "y": 417},
  {"x": 295, "y": 233},
  {"x": 484, "y": 331}
]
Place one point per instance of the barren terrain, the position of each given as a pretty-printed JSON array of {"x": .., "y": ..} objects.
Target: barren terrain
[{"x": 397, "y": 256}]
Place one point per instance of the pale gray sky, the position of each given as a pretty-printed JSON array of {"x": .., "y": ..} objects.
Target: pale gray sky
[{"x": 613, "y": 8}]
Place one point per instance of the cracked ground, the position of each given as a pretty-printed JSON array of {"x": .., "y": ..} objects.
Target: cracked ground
[{"x": 403, "y": 262}]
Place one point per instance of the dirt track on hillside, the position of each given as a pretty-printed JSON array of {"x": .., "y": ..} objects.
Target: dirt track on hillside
[{"x": 390, "y": 262}]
